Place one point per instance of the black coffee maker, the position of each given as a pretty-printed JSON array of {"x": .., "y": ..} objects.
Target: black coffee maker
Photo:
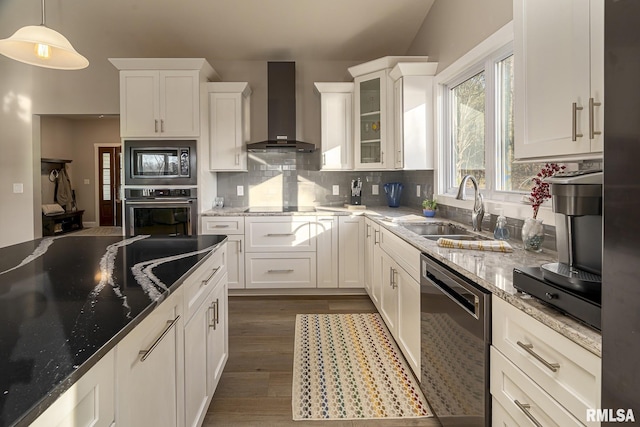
[{"x": 577, "y": 203}]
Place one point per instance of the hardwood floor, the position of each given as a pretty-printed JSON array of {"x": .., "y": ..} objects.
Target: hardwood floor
[{"x": 255, "y": 388}]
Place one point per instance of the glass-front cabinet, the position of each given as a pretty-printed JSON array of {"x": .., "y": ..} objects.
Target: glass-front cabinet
[{"x": 372, "y": 121}]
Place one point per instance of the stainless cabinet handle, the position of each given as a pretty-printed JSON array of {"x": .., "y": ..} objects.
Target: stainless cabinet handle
[
  {"x": 222, "y": 226},
  {"x": 280, "y": 271},
  {"x": 592, "y": 107},
  {"x": 574, "y": 122},
  {"x": 240, "y": 246},
  {"x": 395, "y": 280},
  {"x": 524, "y": 407},
  {"x": 161, "y": 125},
  {"x": 391, "y": 277},
  {"x": 156, "y": 125},
  {"x": 382, "y": 157},
  {"x": 170, "y": 324},
  {"x": 206, "y": 281},
  {"x": 375, "y": 237},
  {"x": 212, "y": 316},
  {"x": 529, "y": 349},
  {"x": 368, "y": 230},
  {"x": 217, "y": 311},
  {"x": 280, "y": 234},
  {"x": 324, "y": 159}
]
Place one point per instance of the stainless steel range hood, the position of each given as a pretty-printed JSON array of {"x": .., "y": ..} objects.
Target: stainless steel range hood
[{"x": 281, "y": 111}]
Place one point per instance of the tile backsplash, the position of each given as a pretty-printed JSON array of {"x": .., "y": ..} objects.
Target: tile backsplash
[{"x": 293, "y": 179}]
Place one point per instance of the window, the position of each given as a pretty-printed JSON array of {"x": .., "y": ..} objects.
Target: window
[{"x": 478, "y": 130}]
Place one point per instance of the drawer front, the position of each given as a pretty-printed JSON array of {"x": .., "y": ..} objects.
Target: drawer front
[
  {"x": 280, "y": 270},
  {"x": 523, "y": 399},
  {"x": 403, "y": 253},
  {"x": 203, "y": 280},
  {"x": 223, "y": 225},
  {"x": 280, "y": 234},
  {"x": 568, "y": 372}
]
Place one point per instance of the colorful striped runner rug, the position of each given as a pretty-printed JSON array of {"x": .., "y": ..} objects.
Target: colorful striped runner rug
[{"x": 348, "y": 367}]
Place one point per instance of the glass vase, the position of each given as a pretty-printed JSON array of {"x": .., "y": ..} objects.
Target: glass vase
[{"x": 533, "y": 234}]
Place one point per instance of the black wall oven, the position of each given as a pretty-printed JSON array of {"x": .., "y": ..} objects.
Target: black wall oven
[
  {"x": 160, "y": 162},
  {"x": 159, "y": 211},
  {"x": 455, "y": 329}
]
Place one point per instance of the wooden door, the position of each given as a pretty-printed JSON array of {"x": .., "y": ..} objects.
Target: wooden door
[{"x": 110, "y": 204}]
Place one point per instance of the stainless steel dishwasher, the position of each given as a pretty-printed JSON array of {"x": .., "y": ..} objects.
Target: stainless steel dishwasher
[{"x": 455, "y": 317}]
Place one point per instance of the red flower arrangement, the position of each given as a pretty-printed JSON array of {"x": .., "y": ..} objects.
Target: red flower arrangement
[{"x": 540, "y": 190}]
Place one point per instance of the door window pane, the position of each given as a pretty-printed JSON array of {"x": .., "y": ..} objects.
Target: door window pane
[{"x": 468, "y": 128}]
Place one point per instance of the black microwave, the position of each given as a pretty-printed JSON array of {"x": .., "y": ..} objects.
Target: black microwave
[{"x": 160, "y": 162}]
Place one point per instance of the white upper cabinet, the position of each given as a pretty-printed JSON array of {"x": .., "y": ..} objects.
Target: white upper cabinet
[
  {"x": 336, "y": 118},
  {"x": 229, "y": 125},
  {"x": 559, "y": 78},
  {"x": 413, "y": 108},
  {"x": 161, "y": 97},
  {"x": 374, "y": 146}
]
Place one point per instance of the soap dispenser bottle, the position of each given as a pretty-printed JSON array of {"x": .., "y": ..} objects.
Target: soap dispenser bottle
[{"x": 501, "y": 231}]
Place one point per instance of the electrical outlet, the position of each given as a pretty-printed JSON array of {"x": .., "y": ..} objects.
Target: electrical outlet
[
  {"x": 18, "y": 188},
  {"x": 240, "y": 190},
  {"x": 374, "y": 189},
  {"x": 418, "y": 190},
  {"x": 336, "y": 190},
  {"x": 86, "y": 181}
]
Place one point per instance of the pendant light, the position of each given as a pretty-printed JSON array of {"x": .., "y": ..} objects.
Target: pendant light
[{"x": 41, "y": 46}]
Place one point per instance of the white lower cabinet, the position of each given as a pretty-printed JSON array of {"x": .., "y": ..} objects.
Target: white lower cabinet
[
  {"x": 280, "y": 270},
  {"x": 233, "y": 228},
  {"x": 327, "y": 251},
  {"x": 400, "y": 294},
  {"x": 205, "y": 338},
  {"x": 90, "y": 402},
  {"x": 351, "y": 252},
  {"x": 149, "y": 382},
  {"x": 552, "y": 379}
]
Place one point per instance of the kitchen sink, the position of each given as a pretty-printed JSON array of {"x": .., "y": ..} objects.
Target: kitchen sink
[{"x": 436, "y": 230}]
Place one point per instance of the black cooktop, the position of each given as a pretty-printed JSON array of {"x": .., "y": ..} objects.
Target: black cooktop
[{"x": 268, "y": 209}]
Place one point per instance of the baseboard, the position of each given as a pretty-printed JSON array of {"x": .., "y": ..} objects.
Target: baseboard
[
  {"x": 89, "y": 224},
  {"x": 294, "y": 292}
]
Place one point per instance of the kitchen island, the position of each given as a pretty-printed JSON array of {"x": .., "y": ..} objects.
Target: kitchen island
[{"x": 66, "y": 301}]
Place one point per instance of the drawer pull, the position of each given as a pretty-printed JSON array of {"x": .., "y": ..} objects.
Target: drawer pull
[
  {"x": 221, "y": 226},
  {"x": 529, "y": 349},
  {"x": 213, "y": 273},
  {"x": 170, "y": 324},
  {"x": 524, "y": 407},
  {"x": 280, "y": 234},
  {"x": 213, "y": 308},
  {"x": 280, "y": 271}
]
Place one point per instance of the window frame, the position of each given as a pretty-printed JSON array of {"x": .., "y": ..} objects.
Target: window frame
[{"x": 496, "y": 47}]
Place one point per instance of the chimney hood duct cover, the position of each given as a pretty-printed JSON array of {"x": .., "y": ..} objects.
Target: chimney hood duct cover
[{"x": 281, "y": 111}]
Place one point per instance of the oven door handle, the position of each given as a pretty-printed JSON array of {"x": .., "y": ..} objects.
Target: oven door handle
[{"x": 158, "y": 202}]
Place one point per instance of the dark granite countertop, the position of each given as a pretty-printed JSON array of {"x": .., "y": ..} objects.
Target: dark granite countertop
[{"x": 66, "y": 301}]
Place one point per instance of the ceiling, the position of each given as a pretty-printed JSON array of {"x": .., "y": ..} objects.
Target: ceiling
[{"x": 230, "y": 29}]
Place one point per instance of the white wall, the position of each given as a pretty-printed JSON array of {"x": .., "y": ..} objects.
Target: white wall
[{"x": 454, "y": 27}]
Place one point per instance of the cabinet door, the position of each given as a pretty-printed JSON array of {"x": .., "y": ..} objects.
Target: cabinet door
[
  {"x": 376, "y": 268},
  {"x": 413, "y": 122},
  {"x": 226, "y": 140},
  {"x": 179, "y": 103},
  {"x": 88, "y": 403},
  {"x": 148, "y": 369},
  {"x": 552, "y": 71},
  {"x": 217, "y": 335},
  {"x": 389, "y": 294},
  {"x": 196, "y": 392},
  {"x": 327, "y": 251},
  {"x": 409, "y": 318},
  {"x": 372, "y": 121},
  {"x": 351, "y": 252},
  {"x": 139, "y": 103},
  {"x": 235, "y": 261},
  {"x": 337, "y": 130}
]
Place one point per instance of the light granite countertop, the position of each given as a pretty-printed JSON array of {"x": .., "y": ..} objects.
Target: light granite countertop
[{"x": 492, "y": 270}]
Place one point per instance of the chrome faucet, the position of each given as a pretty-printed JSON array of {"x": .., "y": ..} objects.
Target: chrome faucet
[{"x": 478, "y": 204}]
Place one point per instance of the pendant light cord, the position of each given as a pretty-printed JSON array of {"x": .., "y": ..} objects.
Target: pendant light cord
[{"x": 43, "y": 19}]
